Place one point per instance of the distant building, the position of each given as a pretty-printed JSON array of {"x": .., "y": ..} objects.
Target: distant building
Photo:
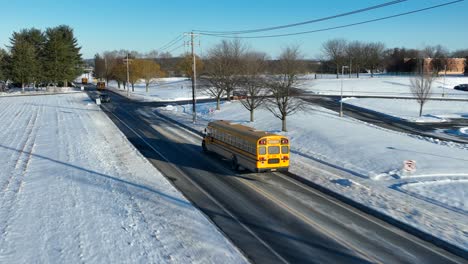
[{"x": 454, "y": 65}]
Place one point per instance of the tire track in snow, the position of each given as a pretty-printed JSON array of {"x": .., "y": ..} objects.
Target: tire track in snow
[
  {"x": 136, "y": 222},
  {"x": 14, "y": 137},
  {"x": 75, "y": 198},
  {"x": 14, "y": 185},
  {"x": 62, "y": 232},
  {"x": 138, "y": 225}
]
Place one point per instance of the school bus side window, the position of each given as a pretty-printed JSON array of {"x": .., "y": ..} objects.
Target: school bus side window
[{"x": 261, "y": 150}]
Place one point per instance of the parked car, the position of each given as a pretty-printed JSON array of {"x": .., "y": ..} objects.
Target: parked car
[
  {"x": 105, "y": 98},
  {"x": 461, "y": 87}
]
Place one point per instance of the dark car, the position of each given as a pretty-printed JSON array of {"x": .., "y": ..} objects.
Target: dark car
[
  {"x": 105, "y": 98},
  {"x": 461, "y": 87}
]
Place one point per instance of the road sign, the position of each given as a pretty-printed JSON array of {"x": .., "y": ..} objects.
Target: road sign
[{"x": 409, "y": 165}]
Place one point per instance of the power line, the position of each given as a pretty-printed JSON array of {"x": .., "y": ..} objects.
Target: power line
[
  {"x": 332, "y": 28},
  {"x": 172, "y": 50},
  {"x": 301, "y": 23},
  {"x": 171, "y": 43}
]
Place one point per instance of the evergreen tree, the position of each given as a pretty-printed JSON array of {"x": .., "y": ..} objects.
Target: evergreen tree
[
  {"x": 62, "y": 58},
  {"x": 23, "y": 63},
  {"x": 37, "y": 39},
  {"x": 3, "y": 65}
]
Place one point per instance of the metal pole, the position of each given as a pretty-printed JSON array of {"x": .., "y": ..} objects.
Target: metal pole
[
  {"x": 445, "y": 73},
  {"x": 341, "y": 97},
  {"x": 194, "y": 81},
  {"x": 350, "y": 66},
  {"x": 128, "y": 77}
]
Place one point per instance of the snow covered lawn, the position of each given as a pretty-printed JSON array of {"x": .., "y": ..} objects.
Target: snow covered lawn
[
  {"x": 74, "y": 190},
  {"x": 433, "y": 111},
  {"x": 163, "y": 89},
  {"x": 367, "y": 165},
  {"x": 380, "y": 85}
]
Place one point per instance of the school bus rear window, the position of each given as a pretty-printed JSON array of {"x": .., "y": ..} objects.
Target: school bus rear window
[
  {"x": 261, "y": 150},
  {"x": 273, "y": 150}
]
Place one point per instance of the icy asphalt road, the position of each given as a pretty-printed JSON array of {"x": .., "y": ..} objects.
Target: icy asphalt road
[{"x": 270, "y": 218}]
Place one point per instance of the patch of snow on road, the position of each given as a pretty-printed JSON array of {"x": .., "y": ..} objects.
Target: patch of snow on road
[{"x": 463, "y": 130}]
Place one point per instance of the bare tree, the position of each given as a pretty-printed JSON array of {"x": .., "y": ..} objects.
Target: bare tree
[
  {"x": 212, "y": 87},
  {"x": 373, "y": 55},
  {"x": 421, "y": 86},
  {"x": 281, "y": 85},
  {"x": 99, "y": 66},
  {"x": 223, "y": 68},
  {"x": 428, "y": 52},
  {"x": 440, "y": 60},
  {"x": 354, "y": 52},
  {"x": 335, "y": 51},
  {"x": 165, "y": 55},
  {"x": 110, "y": 59},
  {"x": 152, "y": 54},
  {"x": 252, "y": 83}
]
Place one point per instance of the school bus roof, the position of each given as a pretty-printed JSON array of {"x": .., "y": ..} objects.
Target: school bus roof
[{"x": 240, "y": 129}]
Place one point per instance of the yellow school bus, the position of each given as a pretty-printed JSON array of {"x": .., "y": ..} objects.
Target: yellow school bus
[
  {"x": 101, "y": 86},
  {"x": 255, "y": 150}
]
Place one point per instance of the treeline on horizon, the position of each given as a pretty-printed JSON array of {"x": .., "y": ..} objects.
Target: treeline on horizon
[
  {"x": 41, "y": 58},
  {"x": 359, "y": 56}
]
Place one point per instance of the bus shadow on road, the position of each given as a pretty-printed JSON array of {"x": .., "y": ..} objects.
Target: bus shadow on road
[{"x": 187, "y": 157}]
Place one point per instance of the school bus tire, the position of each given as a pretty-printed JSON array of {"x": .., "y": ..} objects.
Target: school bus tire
[
  {"x": 205, "y": 150},
  {"x": 234, "y": 163}
]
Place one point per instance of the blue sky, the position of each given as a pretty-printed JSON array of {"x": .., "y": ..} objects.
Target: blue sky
[{"x": 145, "y": 25}]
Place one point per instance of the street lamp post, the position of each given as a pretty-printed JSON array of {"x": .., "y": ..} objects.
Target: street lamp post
[{"x": 341, "y": 97}]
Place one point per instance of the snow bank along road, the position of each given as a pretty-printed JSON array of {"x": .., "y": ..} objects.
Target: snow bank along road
[
  {"x": 271, "y": 218},
  {"x": 73, "y": 190}
]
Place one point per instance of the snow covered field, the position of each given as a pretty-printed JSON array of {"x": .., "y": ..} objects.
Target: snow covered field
[
  {"x": 380, "y": 85},
  {"x": 38, "y": 91},
  {"x": 433, "y": 111},
  {"x": 74, "y": 190},
  {"x": 368, "y": 160},
  {"x": 163, "y": 89}
]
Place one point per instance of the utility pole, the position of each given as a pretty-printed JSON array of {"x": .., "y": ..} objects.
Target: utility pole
[
  {"x": 341, "y": 96},
  {"x": 128, "y": 77},
  {"x": 194, "y": 77},
  {"x": 105, "y": 66}
]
